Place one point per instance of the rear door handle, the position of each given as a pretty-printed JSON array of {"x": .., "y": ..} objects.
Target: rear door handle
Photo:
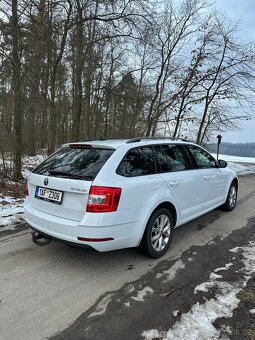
[
  {"x": 173, "y": 183},
  {"x": 206, "y": 177}
]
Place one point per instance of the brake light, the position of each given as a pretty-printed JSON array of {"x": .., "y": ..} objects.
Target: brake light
[
  {"x": 103, "y": 199},
  {"x": 80, "y": 146},
  {"x": 26, "y": 189}
]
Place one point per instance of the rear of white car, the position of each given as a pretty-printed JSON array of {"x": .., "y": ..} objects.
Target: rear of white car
[{"x": 68, "y": 200}]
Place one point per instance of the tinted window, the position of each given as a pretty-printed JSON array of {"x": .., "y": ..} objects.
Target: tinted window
[
  {"x": 172, "y": 158},
  {"x": 137, "y": 162},
  {"x": 202, "y": 158},
  {"x": 74, "y": 163}
]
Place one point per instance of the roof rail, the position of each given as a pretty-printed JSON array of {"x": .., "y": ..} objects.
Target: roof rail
[{"x": 139, "y": 139}]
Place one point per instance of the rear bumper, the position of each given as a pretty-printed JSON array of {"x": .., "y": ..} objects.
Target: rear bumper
[{"x": 124, "y": 235}]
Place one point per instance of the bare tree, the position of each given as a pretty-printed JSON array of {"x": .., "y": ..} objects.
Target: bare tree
[
  {"x": 17, "y": 89},
  {"x": 37, "y": 21},
  {"x": 172, "y": 36},
  {"x": 229, "y": 77}
]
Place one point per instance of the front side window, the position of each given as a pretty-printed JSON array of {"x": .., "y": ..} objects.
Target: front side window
[
  {"x": 203, "y": 159},
  {"x": 172, "y": 158},
  {"x": 137, "y": 162},
  {"x": 76, "y": 163}
]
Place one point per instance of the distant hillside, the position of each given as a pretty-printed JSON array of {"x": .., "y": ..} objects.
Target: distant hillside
[{"x": 234, "y": 149}]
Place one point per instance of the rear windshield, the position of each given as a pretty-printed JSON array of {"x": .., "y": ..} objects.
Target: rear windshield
[{"x": 76, "y": 163}]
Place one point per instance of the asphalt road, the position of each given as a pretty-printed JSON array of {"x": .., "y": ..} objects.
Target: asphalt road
[{"x": 44, "y": 290}]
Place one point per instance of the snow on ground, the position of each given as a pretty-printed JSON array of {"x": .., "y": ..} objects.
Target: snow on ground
[
  {"x": 11, "y": 207},
  {"x": 242, "y": 169},
  {"x": 198, "y": 322},
  {"x": 236, "y": 159},
  {"x": 241, "y": 165}
]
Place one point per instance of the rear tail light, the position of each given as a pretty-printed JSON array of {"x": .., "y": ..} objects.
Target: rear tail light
[
  {"x": 26, "y": 189},
  {"x": 103, "y": 199}
]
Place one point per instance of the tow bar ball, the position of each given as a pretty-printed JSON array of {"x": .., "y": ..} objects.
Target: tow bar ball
[{"x": 39, "y": 239}]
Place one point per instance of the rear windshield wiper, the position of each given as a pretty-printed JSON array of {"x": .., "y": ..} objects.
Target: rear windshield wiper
[{"x": 70, "y": 175}]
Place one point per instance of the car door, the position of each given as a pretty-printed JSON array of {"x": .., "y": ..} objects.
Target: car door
[
  {"x": 214, "y": 178},
  {"x": 185, "y": 183}
]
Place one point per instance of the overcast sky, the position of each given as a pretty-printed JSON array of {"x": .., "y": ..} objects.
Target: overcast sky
[{"x": 242, "y": 11}]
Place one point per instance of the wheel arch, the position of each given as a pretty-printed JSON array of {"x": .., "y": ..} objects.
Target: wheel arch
[
  {"x": 235, "y": 180},
  {"x": 170, "y": 207}
]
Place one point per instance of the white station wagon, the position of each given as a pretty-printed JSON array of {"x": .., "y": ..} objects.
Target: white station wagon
[{"x": 113, "y": 194}]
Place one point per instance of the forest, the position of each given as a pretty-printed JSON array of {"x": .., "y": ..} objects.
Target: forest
[{"x": 72, "y": 70}]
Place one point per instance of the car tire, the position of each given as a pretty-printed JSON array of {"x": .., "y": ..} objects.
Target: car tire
[
  {"x": 230, "y": 203},
  {"x": 158, "y": 234}
]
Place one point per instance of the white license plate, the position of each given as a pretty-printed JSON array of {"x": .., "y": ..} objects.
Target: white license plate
[{"x": 49, "y": 195}]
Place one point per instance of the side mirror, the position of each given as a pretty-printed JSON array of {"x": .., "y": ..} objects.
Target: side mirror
[{"x": 222, "y": 164}]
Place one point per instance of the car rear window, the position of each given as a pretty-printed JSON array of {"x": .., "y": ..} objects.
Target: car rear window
[{"x": 76, "y": 163}]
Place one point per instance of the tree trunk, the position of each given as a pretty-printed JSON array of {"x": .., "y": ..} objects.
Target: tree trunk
[
  {"x": 77, "y": 69},
  {"x": 16, "y": 83},
  {"x": 34, "y": 92}
]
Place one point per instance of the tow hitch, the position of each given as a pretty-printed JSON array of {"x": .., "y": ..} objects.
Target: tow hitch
[{"x": 39, "y": 239}]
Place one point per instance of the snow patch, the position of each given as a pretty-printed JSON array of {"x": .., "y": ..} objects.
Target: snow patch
[
  {"x": 102, "y": 305},
  {"x": 159, "y": 275},
  {"x": 10, "y": 222},
  {"x": 203, "y": 287},
  {"x": 152, "y": 334},
  {"x": 129, "y": 289},
  {"x": 234, "y": 250},
  {"x": 172, "y": 271},
  {"x": 198, "y": 322},
  {"x": 227, "y": 266},
  {"x": 175, "y": 313},
  {"x": 226, "y": 329},
  {"x": 214, "y": 276},
  {"x": 11, "y": 208},
  {"x": 142, "y": 293},
  {"x": 252, "y": 311}
]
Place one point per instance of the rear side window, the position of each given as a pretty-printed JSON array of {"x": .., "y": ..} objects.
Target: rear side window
[
  {"x": 76, "y": 163},
  {"x": 172, "y": 158},
  {"x": 137, "y": 162}
]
